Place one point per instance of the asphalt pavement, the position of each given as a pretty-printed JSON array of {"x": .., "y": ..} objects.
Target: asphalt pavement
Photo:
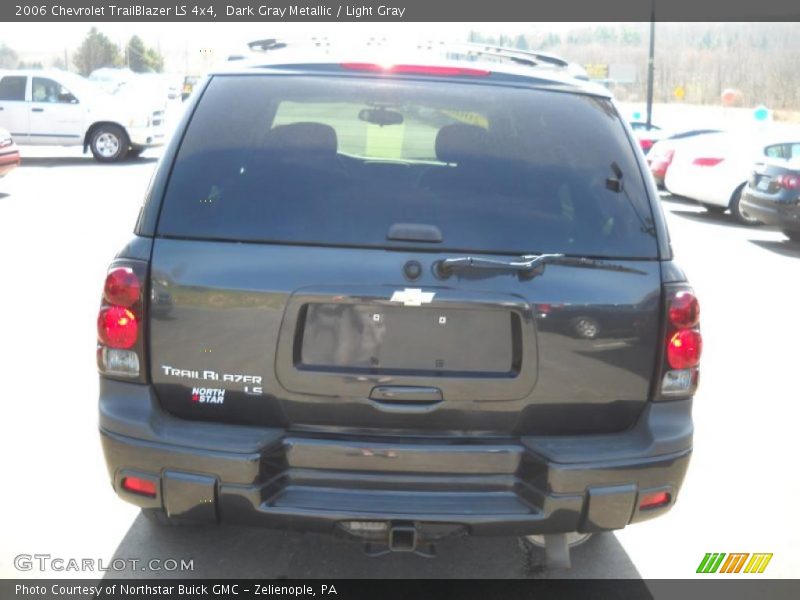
[{"x": 62, "y": 219}]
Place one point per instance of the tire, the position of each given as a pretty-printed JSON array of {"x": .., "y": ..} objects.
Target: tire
[
  {"x": 792, "y": 235},
  {"x": 736, "y": 209},
  {"x": 714, "y": 209},
  {"x": 586, "y": 328},
  {"x": 109, "y": 143}
]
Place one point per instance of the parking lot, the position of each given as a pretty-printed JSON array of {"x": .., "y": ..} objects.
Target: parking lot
[{"x": 62, "y": 218}]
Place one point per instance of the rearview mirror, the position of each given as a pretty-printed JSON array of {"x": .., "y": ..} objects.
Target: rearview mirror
[{"x": 380, "y": 116}]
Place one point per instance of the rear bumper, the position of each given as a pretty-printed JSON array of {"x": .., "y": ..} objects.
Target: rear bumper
[
  {"x": 785, "y": 215},
  {"x": 282, "y": 479}
]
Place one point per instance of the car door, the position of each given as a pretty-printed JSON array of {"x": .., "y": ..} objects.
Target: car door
[
  {"x": 14, "y": 110},
  {"x": 56, "y": 113}
]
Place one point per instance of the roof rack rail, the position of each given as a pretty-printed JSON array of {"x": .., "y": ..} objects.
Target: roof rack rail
[
  {"x": 453, "y": 50},
  {"x": 268, "y": 44},
  {"x": 470, "y": 48},
  {"x": 514, "y": 54}
]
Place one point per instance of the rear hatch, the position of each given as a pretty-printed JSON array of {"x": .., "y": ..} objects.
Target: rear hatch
[{"x": 295, "y": 277}]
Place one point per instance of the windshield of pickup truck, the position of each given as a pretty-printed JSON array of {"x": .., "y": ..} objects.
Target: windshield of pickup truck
[{"x": 339, "y": 161}]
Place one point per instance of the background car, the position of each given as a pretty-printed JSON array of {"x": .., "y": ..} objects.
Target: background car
[
  {"x": 57, "y": 108},
  {"x": 661, "y": 153},
  {"x": 9, "y": 153},
  {"x": 713, "y": 169},
  {"x": 773, "y": 194}
]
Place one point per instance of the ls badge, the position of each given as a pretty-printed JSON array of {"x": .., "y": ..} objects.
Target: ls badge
[{"x": 413, "y": 297}]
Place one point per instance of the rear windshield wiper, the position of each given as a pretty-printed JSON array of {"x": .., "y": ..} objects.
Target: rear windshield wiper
[{"x": 529, "y": 264}]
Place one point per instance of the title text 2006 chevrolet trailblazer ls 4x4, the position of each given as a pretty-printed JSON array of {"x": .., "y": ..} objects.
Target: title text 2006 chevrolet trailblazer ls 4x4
[{"x": 400, "y": 303}]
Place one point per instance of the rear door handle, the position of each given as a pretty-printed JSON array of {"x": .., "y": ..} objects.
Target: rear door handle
[
  {"x": 37, "y": 110},
  {"x": 402, "y": 393}
]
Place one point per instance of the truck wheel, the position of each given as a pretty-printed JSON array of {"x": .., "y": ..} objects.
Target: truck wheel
[
  {"x": 109, "y": 143},
  {"x": 736, "y": 209}
]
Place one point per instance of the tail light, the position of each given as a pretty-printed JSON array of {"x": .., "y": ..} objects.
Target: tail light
[
  {"x": 646, "y": 143},
  {"x": 683, "y": 344},
  {"x": 707, "y": 162},
  {"x": 654, "y": 500},
  {"x": 120, "y": 322},
  {"x": 140, "y": 486},
  {"x": 788, "y": 182},
  {"x": 660, "y": 162},
  {"x": 440, "y": 71}
]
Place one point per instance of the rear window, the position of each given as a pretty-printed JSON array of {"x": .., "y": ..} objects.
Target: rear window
[
  {"x": 12, "y": 87},
  {"x": 321, "y": 160}
]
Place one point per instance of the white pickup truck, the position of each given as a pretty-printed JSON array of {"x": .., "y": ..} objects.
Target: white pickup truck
[{"x": 56, "y": 108}]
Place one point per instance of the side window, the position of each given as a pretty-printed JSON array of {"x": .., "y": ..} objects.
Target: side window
[
  {"x": 776, "y": 151},
  {"x": 12, "y": 87},
  {"x": 795, "y": 153},
  {"x": 47, "y": 90}
]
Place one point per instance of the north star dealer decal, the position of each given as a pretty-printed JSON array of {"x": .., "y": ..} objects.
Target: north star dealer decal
[{"x": 208, "y": 395}]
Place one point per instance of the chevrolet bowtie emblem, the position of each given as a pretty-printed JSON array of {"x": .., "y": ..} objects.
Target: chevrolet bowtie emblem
[{"x": 413, "y": 297}]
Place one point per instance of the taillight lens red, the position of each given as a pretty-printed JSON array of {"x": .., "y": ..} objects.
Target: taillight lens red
[
  {"x": 679, "y": 372},
  {"x": 122, "y": 287},
  {"x": 707, "y": 162},
  {"x": 416, "y": 70},
  {"x": 137, "y": 485},
  {"x": 684, "y": 310},
  {"x": 654, "y": 500},
  {"x": 684, "y": 349},
  {"x": 788, "y": 182},
  {"x": 117, "y": 327},
  {"x": 120, "y": 322}
]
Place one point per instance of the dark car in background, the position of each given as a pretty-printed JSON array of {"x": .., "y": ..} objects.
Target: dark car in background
[
  {"x": 772, "y": 195},
  {"x": 353, "y": 249}
]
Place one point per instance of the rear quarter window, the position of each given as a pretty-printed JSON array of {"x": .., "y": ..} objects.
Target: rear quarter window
[
  {"x": 339, "y": 161},
  {"x": 12, "y": 87}
]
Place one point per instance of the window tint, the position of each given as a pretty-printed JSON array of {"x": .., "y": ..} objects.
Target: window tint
[
  {"x": 776, "y": 151},
  {"x": 12, "y": 87},
  {"x": 47, "y": 90},
  {"x": 324, "y": 161}
]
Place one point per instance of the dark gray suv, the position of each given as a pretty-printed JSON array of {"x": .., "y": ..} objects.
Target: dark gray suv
[{"x": 400, "y": 303}]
